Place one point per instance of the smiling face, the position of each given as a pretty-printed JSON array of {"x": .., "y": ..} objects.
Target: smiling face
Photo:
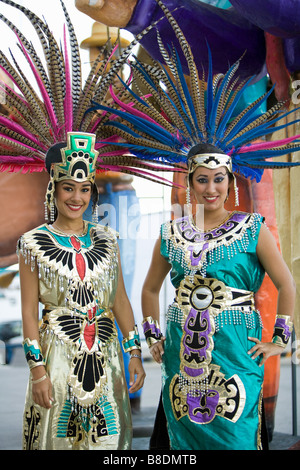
[
  {"x": 72, "y": 198},
  {"x": 210, "y": 187}
]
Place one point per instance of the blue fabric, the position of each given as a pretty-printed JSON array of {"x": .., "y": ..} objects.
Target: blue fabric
[{"x": 120, "y": 220}]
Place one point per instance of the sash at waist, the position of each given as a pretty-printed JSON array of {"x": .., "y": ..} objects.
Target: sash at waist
[{"x": 207, "y": 293}]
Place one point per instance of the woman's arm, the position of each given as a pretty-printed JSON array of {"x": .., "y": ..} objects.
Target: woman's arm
[
  {"x": 41, "y": 391},
  {"x": 275, "y": 266},
  {"x": 124, "y": 316},
  {"x": 158, "y": 270}
]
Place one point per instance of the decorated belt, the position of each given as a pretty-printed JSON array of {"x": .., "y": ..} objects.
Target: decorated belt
[
  {"x": 200, "y": 294},
  {"x": 71, "y": 325}
]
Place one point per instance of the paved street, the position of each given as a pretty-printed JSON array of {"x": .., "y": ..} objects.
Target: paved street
[{"x": 13, "y": 380}]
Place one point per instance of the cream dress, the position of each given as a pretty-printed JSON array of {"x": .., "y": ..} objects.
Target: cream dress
[{"x": 78, "y": 278}]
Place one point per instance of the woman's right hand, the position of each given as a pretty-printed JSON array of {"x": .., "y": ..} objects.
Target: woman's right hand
[
  {"x": 42, "y": 392},
  {"x": 157, "y": 350}
]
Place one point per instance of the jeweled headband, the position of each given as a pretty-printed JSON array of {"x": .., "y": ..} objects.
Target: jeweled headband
[{"x": 210, "y": 161}]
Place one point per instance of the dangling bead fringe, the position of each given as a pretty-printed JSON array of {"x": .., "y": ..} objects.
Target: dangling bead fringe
[
  {"x": 188, "y": 207},
  {"x": 46, "y": 210},
  {"x": 236, "y": 194},
  {"x": 95, "y": 215},
  {"x": 51, "y": 212},
  {"x": 188, "y": 195}
]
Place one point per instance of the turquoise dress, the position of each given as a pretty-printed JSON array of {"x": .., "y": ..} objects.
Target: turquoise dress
[{"x": 212, "y": 388}]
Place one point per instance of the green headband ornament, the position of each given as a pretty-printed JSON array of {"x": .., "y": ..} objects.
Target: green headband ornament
[
  {"x": 75, "y": 161},
  {"x": 78, "y": 159}
]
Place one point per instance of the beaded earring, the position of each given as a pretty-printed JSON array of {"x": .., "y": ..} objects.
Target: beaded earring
[
  {"x": 95, "y": 214},
  {"x": 52, "y": 211},
  {"x": 188, "y": 199},
  {"x": 49, "y": 214},
  {"x": 236, "y": 192},
  {"x": 46, "y": 211}
]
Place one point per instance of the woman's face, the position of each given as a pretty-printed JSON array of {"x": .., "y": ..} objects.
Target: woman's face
[
  {"x": 210, "y": 187},
  {"x": 72, "y": 198}
]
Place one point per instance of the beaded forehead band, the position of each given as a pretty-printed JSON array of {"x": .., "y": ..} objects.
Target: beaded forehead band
[
  {"x": 210, "y": 161},
  {"x": 178, "y": 113}
]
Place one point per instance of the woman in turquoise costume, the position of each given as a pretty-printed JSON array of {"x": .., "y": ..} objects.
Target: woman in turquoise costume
[{"x": 212, "y": 356}]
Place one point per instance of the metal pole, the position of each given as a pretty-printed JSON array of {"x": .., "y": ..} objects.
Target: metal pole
[{"x": 294, "y": 383}]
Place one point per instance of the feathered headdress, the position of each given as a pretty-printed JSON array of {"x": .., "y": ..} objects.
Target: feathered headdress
[
  {"x": 44, "y": 114},
  {"x": 195, "y": 121}
]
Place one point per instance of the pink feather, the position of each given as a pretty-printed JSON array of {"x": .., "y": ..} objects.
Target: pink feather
[
  {"x": 20, "y": 130},
  {"x": 140, "y": 172},
  {"x": 267, "y": 145},
  {"x": 130, "y": 107}
]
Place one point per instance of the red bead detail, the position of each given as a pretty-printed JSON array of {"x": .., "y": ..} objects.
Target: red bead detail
[
  {"x": 80, "y": 263},
  {"x": 89, "y": 335}
]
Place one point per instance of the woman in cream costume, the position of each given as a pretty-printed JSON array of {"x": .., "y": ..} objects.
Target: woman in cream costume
[{"x": 77, "y": 395}]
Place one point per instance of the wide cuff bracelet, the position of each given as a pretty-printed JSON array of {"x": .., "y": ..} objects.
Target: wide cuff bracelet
[
  {"x": 282, "y": 330},
  {"x": 132, "y": 341},
  {"x": 33, "y": 353},
  {"x": 151, "y": 331}
]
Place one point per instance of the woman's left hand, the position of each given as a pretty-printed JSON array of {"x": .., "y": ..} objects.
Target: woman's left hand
[
  {"x": 136, "y": 374},
  {"x": 265, "y": 349}
]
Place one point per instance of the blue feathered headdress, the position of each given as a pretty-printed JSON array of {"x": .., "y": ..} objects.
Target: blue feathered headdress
[{"x": 178, "y": 113}]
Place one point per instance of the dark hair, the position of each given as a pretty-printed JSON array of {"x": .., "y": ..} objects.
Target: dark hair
[
  {"x": 54, "y": 155},
  {"x": 94, "y": 196},
  {"x": 204, "y": 148}
]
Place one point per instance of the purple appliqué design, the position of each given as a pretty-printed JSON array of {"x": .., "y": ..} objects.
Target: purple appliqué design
[
  {"x": 196, "y": 341},
  {"x": 202, "y": 408},
  {"x": 280, "y": 323},
  {"x": 199, "y": 242}
]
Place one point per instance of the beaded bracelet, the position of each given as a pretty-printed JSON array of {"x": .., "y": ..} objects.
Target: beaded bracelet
[
  {"x": 151, "y": 330},
  {"x": 282, "y": 330},
  {"x": 135, "y": 355},
  {"x": 132, "y": 341},
  {"x": 33, "y": 353}
]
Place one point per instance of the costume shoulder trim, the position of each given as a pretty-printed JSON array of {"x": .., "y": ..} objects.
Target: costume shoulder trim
[{"x": 189, "y": 245}]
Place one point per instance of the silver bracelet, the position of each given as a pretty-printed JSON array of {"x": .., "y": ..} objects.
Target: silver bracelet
[{"x": 135, "y": 355}]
